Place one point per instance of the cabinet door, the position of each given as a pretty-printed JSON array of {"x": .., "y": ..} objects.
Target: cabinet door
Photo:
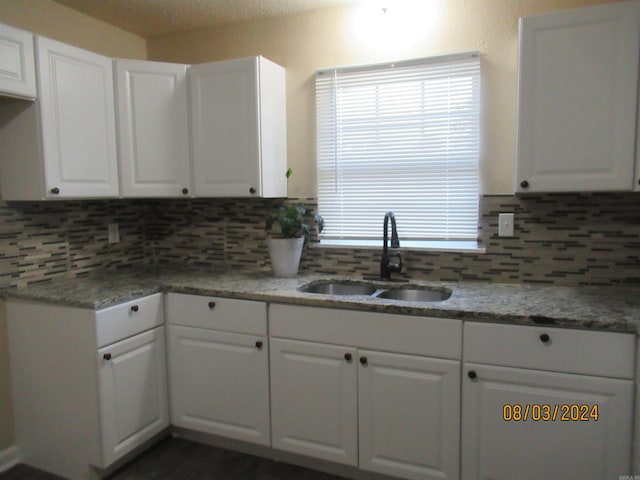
[
  {"x": 224, "y": 116},
  {"x": 314, "y": 400},
  {"x": 409, "y": 415},
  {"x": 153, "y": 136},
  {"x": 498, "y": 444},
  {"x": 17, "y": 65},
  {"x": 77, "y": 121},
  {"x": 132, "y": 379},
  {"x": 220, "y": 383},
  {"x": 578, "y": 81}
]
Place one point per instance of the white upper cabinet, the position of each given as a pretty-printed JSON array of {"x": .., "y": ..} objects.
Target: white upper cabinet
[
  {"x": 17, "y": 66},
  {"x": 64, "y": 144},
  {"x": 238, "y": 121},
  {"x": 577, "y": 99},
  {"x": 153, "y": 134},
  {"x": 78, "y": 121}
]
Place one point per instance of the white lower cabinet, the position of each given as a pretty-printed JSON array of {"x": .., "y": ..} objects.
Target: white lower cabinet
[
  {"x": 395, "y": 395},
  {"x": 88, "y": 386},
  {"x": 219, "y": 366},
  {"x": 314, "y": 400},
  {"x": 391, "y": 413},
  {"x": 132, "y": 409},
  {"x": 409, "y": 420},
  {"x": 531, "y": 423}
]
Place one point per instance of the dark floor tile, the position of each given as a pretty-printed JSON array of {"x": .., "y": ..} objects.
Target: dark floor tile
[
  {"x": 23, "y": 472},
  {"x": 175, "y": 458},
  {"x": 178, "y": 459}
]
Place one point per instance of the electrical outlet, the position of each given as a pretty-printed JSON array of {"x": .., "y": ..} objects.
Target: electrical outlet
[
  {"x": 505, "y": 225},
  {"x": 114, "y": 233}
]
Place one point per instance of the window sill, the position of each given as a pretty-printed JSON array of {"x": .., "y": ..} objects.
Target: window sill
[{"x": 469, "y": 246}]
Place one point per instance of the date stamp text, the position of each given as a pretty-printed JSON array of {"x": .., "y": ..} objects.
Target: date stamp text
[{"x": 543, "y": 412}]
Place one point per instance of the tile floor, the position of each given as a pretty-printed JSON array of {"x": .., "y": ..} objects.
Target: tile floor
[{"x": 178, "y": 459}]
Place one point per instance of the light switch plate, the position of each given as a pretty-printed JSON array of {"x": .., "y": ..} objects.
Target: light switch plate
[{"x": 505, "y": 224}]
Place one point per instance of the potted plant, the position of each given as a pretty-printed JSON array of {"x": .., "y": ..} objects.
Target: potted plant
[{"x": 285, "y": 249}]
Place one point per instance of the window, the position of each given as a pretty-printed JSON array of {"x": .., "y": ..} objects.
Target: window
[{"x": 402, "y": 137}]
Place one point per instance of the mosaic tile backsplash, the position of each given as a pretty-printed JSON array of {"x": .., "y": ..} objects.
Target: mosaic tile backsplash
[{"x": 568, "y": 239}]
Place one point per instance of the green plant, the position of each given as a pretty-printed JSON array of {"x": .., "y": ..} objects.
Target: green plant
[{"x": 294, "y": 220}]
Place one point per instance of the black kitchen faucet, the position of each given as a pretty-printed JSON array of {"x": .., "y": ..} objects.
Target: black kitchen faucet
[{"x": 386, "y": 266}]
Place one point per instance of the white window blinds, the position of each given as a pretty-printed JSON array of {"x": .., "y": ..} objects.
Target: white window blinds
[{"x": 402, "y": 137}]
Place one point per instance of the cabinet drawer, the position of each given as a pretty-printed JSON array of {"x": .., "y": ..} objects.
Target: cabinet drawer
[
  {"x": 553, "y": 349},
  {"x": 126, "y": 319},
  {"x": 239, "y": 316},
  {"x": 427, "y": 336}
]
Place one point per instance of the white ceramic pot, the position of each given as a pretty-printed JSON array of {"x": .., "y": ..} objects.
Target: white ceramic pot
[{"x": 285, "y": 256}]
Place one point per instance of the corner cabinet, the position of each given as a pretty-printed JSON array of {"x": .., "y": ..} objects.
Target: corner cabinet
[
  {"x": 219, "y": 366},
  {"x": 64, "y": 144},
  {"x": 89, "y": 387},
  {"x": 153, "y": 129},
  {"x": 17, "y": 65},
  {"x": 577, "y": 100},
  {"x": 550, "y": 403},
  {"x": 238, "y": 122},
  {"x": 383, "y": 403}
]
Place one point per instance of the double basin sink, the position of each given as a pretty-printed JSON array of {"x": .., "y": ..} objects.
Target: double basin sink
[{"x": 407, "y": 293}]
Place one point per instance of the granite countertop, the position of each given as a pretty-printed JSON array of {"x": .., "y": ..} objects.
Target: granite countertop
[{"x": 596, "y": 308}]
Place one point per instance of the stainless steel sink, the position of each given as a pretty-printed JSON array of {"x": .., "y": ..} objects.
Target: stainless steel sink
[
  {"x": 339, "y": 288},
  {"x": 406, "y": 293},
  {"x": 416, "y": 294}
]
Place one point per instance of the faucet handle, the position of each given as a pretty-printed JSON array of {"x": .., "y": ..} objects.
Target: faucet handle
[
  {"x": 399, "y": 260},
  {"x": 395, "y": 267}
]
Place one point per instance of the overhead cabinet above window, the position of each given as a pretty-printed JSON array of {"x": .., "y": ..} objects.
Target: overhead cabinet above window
[{"x": 577, "y": 100}]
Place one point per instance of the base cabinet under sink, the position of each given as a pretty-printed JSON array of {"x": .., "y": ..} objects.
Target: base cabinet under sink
[{"x": 396, "y": 414}]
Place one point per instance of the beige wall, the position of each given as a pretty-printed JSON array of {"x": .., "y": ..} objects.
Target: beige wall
[
  {"x": 61, "y": 23},
  {"x": 305, "y": 42},
  {"x": 66, "y": 25}
]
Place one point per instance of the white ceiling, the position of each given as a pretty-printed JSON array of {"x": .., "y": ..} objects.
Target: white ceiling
[{"x": 149, "y": 18}]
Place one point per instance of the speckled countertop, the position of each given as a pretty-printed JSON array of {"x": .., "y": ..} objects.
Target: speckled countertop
[{"x": 597, "y": 308}]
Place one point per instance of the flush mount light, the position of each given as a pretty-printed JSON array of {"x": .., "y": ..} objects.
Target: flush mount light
[{"x": 394, "y": 25}]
